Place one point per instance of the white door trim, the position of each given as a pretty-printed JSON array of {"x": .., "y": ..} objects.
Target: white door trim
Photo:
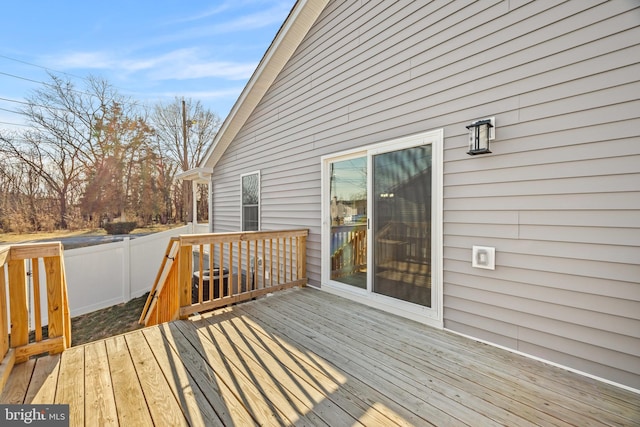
[{"x": 432, "y": 316}]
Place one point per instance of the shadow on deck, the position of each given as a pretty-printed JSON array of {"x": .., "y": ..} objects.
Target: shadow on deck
[{"x": 306, "y": 357}]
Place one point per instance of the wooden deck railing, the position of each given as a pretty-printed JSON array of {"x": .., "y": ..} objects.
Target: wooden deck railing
[
  {"x": 22, "y": 290},
  {"x": 206, "y": 271},
  {"x": 350, "y": 255}
]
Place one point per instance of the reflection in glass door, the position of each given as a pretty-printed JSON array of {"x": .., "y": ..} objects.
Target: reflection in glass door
[
  {"x": 348, "y": 209},
  {"x": 401, "y": 204}
]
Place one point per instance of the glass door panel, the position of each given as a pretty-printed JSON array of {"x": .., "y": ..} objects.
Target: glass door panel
[
  {"x": 348, "y": 206},
  {"x": 401, "y": 204}
]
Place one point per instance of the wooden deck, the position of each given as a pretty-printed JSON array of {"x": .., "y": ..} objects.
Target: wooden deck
[{"x": 305, "y": 357}]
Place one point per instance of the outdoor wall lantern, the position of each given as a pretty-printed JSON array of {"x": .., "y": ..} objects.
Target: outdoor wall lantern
[{"x": 480, "y": 133}]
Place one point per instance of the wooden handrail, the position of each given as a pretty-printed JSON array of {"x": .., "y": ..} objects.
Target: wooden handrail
[
  {"x": 161, "y": 277},
  {"x": 245, "y": 265},
  {"x": 21, "y": 265}
]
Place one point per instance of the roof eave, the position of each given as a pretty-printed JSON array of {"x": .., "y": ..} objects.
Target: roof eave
[
  {"x": 302, "y": 16},
  {"x": 199, "y": 175}
]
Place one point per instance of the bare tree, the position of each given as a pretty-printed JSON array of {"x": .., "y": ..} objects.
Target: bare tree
[
  {"x": 58, "y": 146},
  {"x": 184, "y": 129},
  {"x": 90, "y": 155},
  {"x": 90, "y": 136},
  {"x": 48, "y": 157},
  {"x": 121, "y": 147}
]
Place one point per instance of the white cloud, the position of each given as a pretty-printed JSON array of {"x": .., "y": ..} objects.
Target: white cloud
[
  {"x": 274, "y": 15},
  {"x": 179, "y": 64},
  {"x": 206, "y": 95},
  {"x": 81, "y": 60}
]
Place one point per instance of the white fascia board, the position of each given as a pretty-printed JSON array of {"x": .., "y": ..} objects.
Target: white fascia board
[{"x": 200, "y": 175}]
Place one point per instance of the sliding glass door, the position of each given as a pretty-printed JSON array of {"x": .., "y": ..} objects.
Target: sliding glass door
[
  {"x": 401, "y": 199},
  {"x": 348, "y": 211},
  {"x": 381, "y": 215}
]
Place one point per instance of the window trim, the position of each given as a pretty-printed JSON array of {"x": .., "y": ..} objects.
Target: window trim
[{"x": 242, "y": 223}]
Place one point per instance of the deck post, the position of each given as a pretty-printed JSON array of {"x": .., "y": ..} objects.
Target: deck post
[
  {"x": 301, "y": 256},
  {"x": 18, "y": 303}
]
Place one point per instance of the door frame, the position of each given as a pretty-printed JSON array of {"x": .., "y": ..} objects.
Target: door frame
[{"x": 433, "y": 315}]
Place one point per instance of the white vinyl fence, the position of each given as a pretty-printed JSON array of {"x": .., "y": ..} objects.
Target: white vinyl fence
[{"x": 104, "y": 275}]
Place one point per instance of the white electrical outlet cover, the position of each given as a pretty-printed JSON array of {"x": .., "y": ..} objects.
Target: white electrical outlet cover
[{"x": 483, "y": 257}]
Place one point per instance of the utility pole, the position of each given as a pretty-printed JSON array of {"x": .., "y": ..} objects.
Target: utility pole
[
  {"x": 186, "y": 190},
  {"x": 185, "y": 161}
]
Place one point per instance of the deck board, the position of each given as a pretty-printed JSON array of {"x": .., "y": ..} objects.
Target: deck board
[
  {"x": 197, "y": 403},
  {"x": 304, "y": 357},
  {"x": 17, "y": 385},
  {"x": 415, "y": 368},
  {"x": 452, "y": 359},
  {"x": 100, "y": 404},
  {"x": 42, "y": 388},
  {"x": 70, "y": 386},
  {"x": 131, "y": 405},
  {"x": 304, "y": 372}
]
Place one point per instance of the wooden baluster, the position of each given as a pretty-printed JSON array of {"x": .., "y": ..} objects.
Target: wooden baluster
[
  {"x": 284, "y": 259},
  {"x": 270, "y": 262},
  {"x": 291, "y": 258},
  {"x": 35, "y": 275},
  {"x": 211, "y": 280},
  {"x": 254, "y": 274},
  {"x": 264, "y": 255},
  {"x": 222, "y": 284},
  {"x": 278, "y": 257},
  {"x": 231, "y": 281},
  {"x": 200, "y": 273},
  {"x": 185, "y": 269},
  {"x": 248, "y": 273}
]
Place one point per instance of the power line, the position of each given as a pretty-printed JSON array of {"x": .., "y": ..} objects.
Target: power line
[
  {"x": 15, "y": 124},
  {"x": 10, "y": 111},
  {"x": 23, "y": 78},
  {"x": 13, "y": 100},
  {"x": 32, "y": 104},
  {"x": 43, "y": 83},
  {"x": 40, "y": 66},
  {"x": 58, "y": 72}
]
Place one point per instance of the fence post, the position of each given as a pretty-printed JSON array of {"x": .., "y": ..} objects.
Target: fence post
[{"x": 126, "y": 269}]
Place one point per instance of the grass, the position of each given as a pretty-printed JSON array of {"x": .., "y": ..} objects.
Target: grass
[
  {"x": 42, "y": 235},
  {"x": 104, "y": 323},
  {"x": 107, "y": 322},
  {"x": 99, "y": 324}
]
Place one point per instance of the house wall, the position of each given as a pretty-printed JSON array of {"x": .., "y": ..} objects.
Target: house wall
[{"x": 559, "y": 198}]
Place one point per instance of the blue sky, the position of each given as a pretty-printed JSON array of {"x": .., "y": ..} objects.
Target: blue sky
[{"x": 149, "y": 50}]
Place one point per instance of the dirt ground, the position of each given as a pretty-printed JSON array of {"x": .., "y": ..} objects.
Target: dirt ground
[{"x": 107, "y": 322}]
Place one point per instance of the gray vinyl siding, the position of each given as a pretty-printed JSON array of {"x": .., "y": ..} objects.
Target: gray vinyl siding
[{"x": 559, "y": 198}]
